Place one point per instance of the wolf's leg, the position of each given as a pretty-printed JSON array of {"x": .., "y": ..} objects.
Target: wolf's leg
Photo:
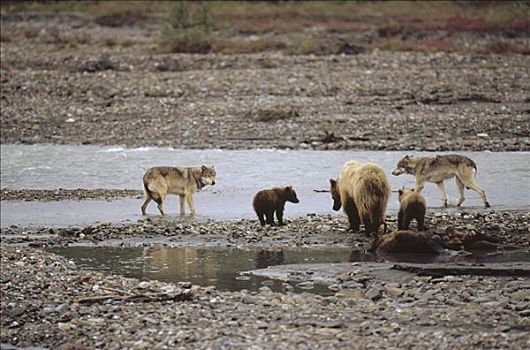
[
  {"x": 443, "y": 194},
  {"x": 160, "y": 208},
  {"x": 147, "y": 200},
  {"x": 189, "y": 198},
  {"x": 460, "y": 186},
  {"x": 182, "y": 202},
  {"x": 420, "y": 183},
  {"x": 471, "y": 184}
]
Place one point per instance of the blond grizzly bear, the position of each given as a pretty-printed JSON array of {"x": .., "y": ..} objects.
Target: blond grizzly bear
[
  {"x": 266, "y": 202},
  {"x": 362, "y": 190},
  {"x": 411, "y": 206}
]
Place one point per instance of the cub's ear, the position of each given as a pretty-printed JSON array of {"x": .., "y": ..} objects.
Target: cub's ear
[
  {"x": 288, "y": 188},
  {"x": 333, "y": 182},
  {"x": 407, "y": 157},
  {"x": 400, "y": 192},
  {"x": 203, "y": 168},
  {"x": 412, "y": 189},
  {"x": 213, "y": 166}
]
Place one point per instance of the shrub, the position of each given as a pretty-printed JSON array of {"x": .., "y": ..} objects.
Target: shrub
[{"x": 188, "y": 29}]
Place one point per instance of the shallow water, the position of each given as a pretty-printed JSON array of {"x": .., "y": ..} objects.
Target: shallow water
[
  {"x": 222, "y": 267},
  {"x": 213, "y": 266},
  {"x": 239, "y": 175}
]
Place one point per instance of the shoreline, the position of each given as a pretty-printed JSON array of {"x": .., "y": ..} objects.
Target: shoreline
[{"x": 68, "y": 308}]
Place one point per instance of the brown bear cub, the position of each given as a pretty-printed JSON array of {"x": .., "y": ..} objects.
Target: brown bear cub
[
  {"x": 412, "y": 206},
  {"x": 266, "y": 202}
]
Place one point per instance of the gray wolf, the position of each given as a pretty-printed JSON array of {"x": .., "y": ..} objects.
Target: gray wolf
[
  {"x": 266, "y": 202},
  {"x": 362, "y": 190},
  {"x": 438, "y": 168},
  {"x": 411, "y": 206},
  {"x": 184, "y": 182}
]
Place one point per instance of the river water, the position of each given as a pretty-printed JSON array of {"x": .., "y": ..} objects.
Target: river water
[{"x": 504, "y": 175}]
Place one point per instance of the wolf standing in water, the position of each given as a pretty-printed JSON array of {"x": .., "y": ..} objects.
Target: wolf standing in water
[
  {"x": 438, "y": 168},
  {"x": 362, "y": 190},
  {"x": 160, "y": 181}
]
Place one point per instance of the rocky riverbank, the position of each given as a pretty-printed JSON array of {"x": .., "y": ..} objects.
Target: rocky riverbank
[
  {"x": 7, "y": 194},
  {"x": 509, "y": 228},
  {"x": 47, "y": 301}
]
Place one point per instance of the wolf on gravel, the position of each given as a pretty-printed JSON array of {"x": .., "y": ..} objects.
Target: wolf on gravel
[
  {"x": 184, "y": 182},
  {"x": 438, "y": 168}
]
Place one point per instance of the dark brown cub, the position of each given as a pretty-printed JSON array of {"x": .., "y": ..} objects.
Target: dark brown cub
[{"x": 266, "y": 202}]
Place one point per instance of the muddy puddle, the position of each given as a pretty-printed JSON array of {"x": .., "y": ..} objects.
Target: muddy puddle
[
  {"x": 235, "y": 269},
  {"x": 239, "y": 175}
]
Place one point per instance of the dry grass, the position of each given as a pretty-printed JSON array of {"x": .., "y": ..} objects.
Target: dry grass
[{"x": 306, "y": 26}]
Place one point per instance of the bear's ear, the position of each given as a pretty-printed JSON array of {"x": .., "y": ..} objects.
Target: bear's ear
[
  {"x": 288, "y": 189},
  {"x": 203, "y": 168},
  {"x": 407, "y": 157},
  {"x": 400, "y": 192},
  {"x": 213, "y": 166},
  {"x": 412, "y": 189},
  {"x": 333, "y": 182}
]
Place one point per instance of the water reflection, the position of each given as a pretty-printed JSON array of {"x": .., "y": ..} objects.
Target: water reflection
[
  {"x": 265, "y": 258},
  {"x": 219, "y": 267}
]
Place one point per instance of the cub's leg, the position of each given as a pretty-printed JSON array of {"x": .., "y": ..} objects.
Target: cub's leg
[
  {"x": 406, "y": 222},
  {"x": 269, "y": 214},
  {"x": 400, "y": 220},
  {"x": 279, "y": 216},
  {"x": 261, "y": 217}
]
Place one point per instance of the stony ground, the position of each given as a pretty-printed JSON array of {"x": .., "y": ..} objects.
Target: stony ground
[
  {"x": 509, "y": 228},
  {"x": 48, "y": 301},
  {"x": 59, "y": 90},
  {"x": 7, "y": 194}
]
